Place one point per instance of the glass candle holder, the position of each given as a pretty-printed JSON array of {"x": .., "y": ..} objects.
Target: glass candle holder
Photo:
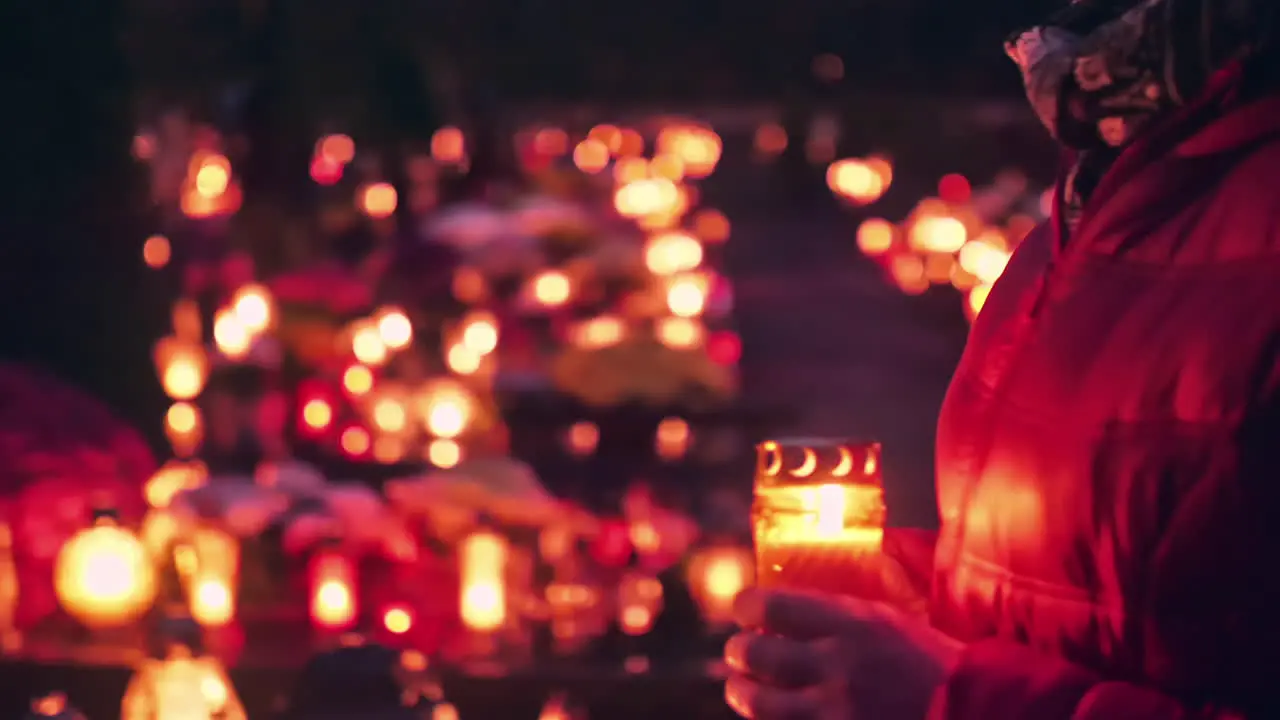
[{"x": 818, "y": 516}]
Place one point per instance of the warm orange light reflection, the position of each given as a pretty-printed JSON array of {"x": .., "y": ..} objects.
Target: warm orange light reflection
[
  {"x": 156, "y": 252},
  {"x": 317, "y": 413},
  {"x": 591, "y": 156},
  {"x": 378, "y": 200},
  {"x": 856, "y": 180},
  {"x": 552, "y": 288},
  {"x": 397, "y": 620},
  {"x": 668, "y": 253},
  {"x": 104, "y": 577},
  {"x": 355, "y": 441},
  {"x": 716, "y": 576},
  {"x": 444, "y": 453},
  {"x": 340, "y": 149},
  {"x": 875, "y": 236},
  {"x": 357, "y": 380},
  {"x": 819, "y": 515},
  {"x": 448, "y": 146},
  {"x": 212, "y": 600},
  {"x": 333, "y": 600},
  {"x": 482, "y": 559}
]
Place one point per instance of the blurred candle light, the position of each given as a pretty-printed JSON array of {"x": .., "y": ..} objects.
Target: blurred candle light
[
  {"x": 984, "y": 257},
  {"x": 186, "y": 320},
  {"x": 317, "y": 414},
  {"x": 378, "y": 200},
  {"x": 875, "y": 236},
  {"x": 325, "y": 170},
  {"x": 855, "y": 180},
  {"x": 367, "y": 344},
  {"x": 333, "y": 588},
  {"x": 686, "y": 296},
  {"x": 469, "y": 285},
  {"x": 671, "y": 441},
  {"x": 670, "y": 167},
  {"x": 184, "y": 428},
  {"x": 482, "y": 560},
  {"x": 172, "y": 478},
  {"x": 716, "y": 576},
  {"x": 630, "y": 169},
  {"x": 357, "y": 380},
  {"x": 337, "y": 148},
  {"x": 184, "y": 372},
  {"x": 630, "y": 144},
  {"x": 252, "y": 307},
  {"x": 668, "y": 253},
  {"x": 599, "y": 332},
  {"x": 770, "y": 140},
  {"x": 104, "y": 577},
  {"x": 582, "y": 438},
  {"x": 938, "y": 235},
  {"x": 212, "y": 175},
  {"x": 448, "y": 146},
  {"x": 388, "y": 449},
  {"x": 591, "y": 156},
  {"x": 647, "y": 196},
  {"x": 908, "y": 272},
  {"x": 355, "y": 441},
  {"x": 551, "y": 141},
  {"x": 976, "y": 299},
  {"x": 610, "y": 136},
  {"x": 156, "y": 252},
  {"x": 680, "y": 333},
  {"x": 397, "y": 620},
  {"x": 639, "y": 602},
  {"x": 212, "y": 599},
  {"x": 10, "y": 638},
  {"x": 214, "y": 583},
  {"x": 552, "y": 288},
  {"x": 181, "y": 686},
  {"x": 389, "y": 415},
  {"x": 443, "y": 453},
  {"x": 462, "y": 359},
  {"x": 394, "y": 328},
  {"x": 480, "y": 333},
  {"x": 447, "y": 413},
  {"x": 230, "y": 335},
  {"x": 711, "y": 225}
]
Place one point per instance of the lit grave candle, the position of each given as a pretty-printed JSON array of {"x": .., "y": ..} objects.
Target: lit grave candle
[{"x": 819, "y": 516}]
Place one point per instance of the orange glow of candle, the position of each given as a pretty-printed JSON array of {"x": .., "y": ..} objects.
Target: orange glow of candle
[
  {"x": 819, "y": 516},
  {"x": 482, "y": 557},
  {"x": 397, "y": 620},
  {"x": 333, "y": 591}
]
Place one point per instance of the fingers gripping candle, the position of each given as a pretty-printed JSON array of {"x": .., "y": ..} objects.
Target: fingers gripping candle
[{"x": 819, "y": 515}]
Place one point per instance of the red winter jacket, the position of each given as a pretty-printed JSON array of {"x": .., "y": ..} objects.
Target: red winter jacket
[{"x": 1109, "y": 450}]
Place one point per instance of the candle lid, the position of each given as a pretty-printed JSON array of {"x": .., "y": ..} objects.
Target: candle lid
[{"x": 804, "y": 461}]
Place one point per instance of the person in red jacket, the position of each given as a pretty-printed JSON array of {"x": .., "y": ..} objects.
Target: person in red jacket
[{"x": 1109, "y": 448}]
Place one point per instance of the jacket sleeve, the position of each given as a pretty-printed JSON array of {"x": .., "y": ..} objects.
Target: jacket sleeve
[{"x": 999, "y": 679}]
